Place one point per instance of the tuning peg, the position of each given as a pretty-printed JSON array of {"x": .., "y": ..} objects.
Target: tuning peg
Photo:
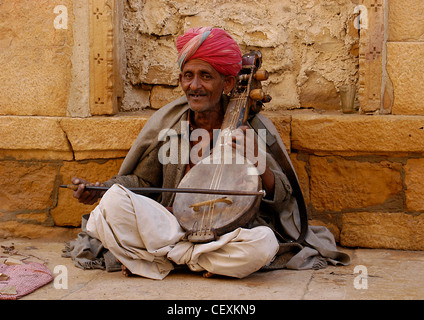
[
  {"x": 267, "y": 98},
  {"x": 257, "y": 94},
  {"x": 261, "y": 75}
]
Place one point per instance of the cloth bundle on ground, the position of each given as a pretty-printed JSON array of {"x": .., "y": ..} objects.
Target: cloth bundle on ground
[{"x": 88, "y": 252}]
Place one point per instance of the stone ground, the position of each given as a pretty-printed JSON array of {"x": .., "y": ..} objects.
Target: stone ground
[{"x": 373, "y": 274}]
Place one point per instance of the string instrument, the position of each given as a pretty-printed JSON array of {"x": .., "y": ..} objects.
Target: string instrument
[{"x": 207, "y": 216}]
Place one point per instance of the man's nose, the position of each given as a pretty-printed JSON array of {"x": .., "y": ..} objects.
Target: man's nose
[{"x": 195, "y": 83}]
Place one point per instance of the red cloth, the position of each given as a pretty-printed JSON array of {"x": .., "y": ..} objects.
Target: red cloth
[
  {"x": 26, "y": 278},
  {"x": 212, "y": 45}
]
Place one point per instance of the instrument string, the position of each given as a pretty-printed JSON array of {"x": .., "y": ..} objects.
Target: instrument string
[{"x": 218, "y": 172}]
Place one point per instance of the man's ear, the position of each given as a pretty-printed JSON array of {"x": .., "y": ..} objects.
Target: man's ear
[{"x": 229, "y": 83}]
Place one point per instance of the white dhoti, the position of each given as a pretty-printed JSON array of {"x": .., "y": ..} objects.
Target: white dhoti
[{"x": 145, "y": 237}]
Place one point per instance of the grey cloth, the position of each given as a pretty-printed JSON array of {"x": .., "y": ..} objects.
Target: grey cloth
[
  {"x": 88, "y": 252},
  {"x": 318, "y": 249}
]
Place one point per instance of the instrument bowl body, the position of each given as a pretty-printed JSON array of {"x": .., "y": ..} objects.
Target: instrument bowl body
[{"x": 217, "y": 217}]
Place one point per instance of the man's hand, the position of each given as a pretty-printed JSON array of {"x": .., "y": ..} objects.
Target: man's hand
[
  {"x": 86, "y": 196},
  {"x": 248, "y": 143},
  {"x": 251, "y": 152}
]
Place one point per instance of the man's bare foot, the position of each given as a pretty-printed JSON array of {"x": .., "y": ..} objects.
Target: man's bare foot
[
  {"x": 125, "y": 271},
  {"x": 208, "y": 274}
]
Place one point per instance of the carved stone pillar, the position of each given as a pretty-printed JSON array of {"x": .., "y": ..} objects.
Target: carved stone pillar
[
  {"x": 375, "y": 89},
  {"x": 105, "y": 61}
]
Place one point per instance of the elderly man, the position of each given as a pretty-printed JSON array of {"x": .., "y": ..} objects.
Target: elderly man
[{"x": 140, "y": 231}]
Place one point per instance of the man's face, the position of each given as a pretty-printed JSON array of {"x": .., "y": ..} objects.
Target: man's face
[{"x": 203, "y": 85}]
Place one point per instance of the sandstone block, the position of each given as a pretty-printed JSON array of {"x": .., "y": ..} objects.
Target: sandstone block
[
  {"x": 15, "y": 229},
  {"x": 35, "y": 80},
  {"x": 414, "y": 173},
  {"x": 31, "y": 24},
  {"x": 33, "y": 138},
  {"x": 35, "y": 59},
  {"x": 102, "y": 138},
  {"x": 152, "y": 61},
  {"x": 135, "y": 98},
  {"x": 27, "y": 185},
  {"x": 406, "y": 20},
  {"x": 357, "y": 134},
  {"x": 372, "y": 41},
  {"x": 338, "y": 184},
  {"x": 281, "y": 97},
  {"x": 105, "y": 56},
  {"x": 79, "y": 91},
  {"x": 33, "y": 218},
  {"x": 319, "y": 93},
  {"x": 405, "y": 65},
  {"x": 158, "y": 18},
  {"x": 383, "y": 230},
  {"x": 282, "y": 124},
  {"x": 161, "y": 96},
  {"x": 302, "y": 174},
  {"x": 68, "y": 211}
]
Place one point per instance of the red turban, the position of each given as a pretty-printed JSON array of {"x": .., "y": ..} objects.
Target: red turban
[{"x": 214, "y": 46}]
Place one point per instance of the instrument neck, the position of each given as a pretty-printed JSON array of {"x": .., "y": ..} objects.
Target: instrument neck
[{"x": 235, "y": 114}]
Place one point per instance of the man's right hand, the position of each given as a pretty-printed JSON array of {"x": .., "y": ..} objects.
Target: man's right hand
[{"x": 86, "y": 196}]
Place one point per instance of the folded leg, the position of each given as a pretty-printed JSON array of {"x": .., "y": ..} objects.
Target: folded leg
[
  {"x": 235, "y": 254},
  {"x": 137, "y": 230}
]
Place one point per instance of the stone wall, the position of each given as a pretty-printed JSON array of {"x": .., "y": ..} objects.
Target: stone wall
[
  {"x": 310, "y": 48},
  {"x": 405, "y": 60},
  {"x": 360, "y": 173}
]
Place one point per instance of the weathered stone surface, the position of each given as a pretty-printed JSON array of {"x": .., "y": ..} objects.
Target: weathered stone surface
[
  {"x": 338, "y": 184},
  {"x": 68, "y": 211},
  {"x": 282, "y": 124},
  {"x": 406, "y": 21},
  {"x": 297, "y": 39},
  {"x": 405, "y": 65},
  {"x": 33, "y": 217},
  {"x": 100, "y": 137},
  {"x": 15, "y": 229},
  {"x": 161, "y": 96},
  {"x": 357, "y": 134},
  {"x": 135, "y": 98},
  {"x": 319, "y": 93},
  {"x": 106, "y": 82},
  {"x": 27, "y": 185},
  {"x": 79, "y": 91},
  {"x": 33, "y": 138},
  {"x": 35, "y": 59},
  {"x": 152, "y": 60},
  {"x": 414, "y": 182},
  {"x": 35, "y": 81},
  {"x": 302, "y": 174},
  {"x": 371, "y": 56},
  {"x": 383, "y": 230},
  {"x": 277, "y": 85},
  {"x": 30, "y": 24}
]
